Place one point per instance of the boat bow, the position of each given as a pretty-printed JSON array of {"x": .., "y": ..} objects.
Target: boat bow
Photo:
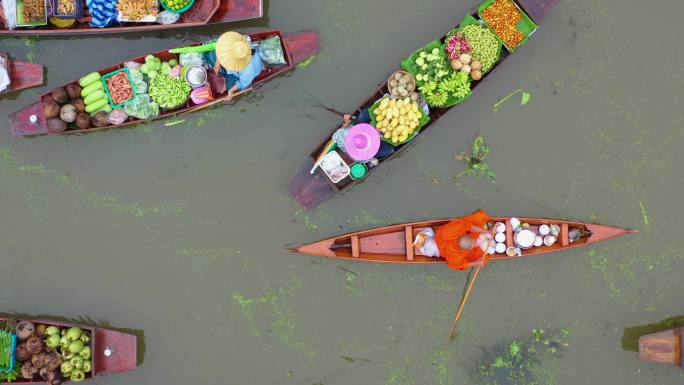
[{"x": 114, "y": 351}]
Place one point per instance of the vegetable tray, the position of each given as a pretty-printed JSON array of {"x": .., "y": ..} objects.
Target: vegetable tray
[
  {"x": 106, "y": 87},
  {"x": 20, "y": 16},
  {"x": 469, "y": 20},
  {"x": 525, "y": 25},
  {"x": 12, "y": 357}
]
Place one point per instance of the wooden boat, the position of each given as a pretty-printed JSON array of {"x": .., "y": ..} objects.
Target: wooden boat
[
  {"x": 663, "y": 347},
  {"x": 22, "y": 74},
  {"x": 394, "y": 244},
  {"x": 297, "y": 47},
  {"x": 112, "y": 351},
  {"x": 310, "y": 190},
  {"x": 203, "y": 12}
]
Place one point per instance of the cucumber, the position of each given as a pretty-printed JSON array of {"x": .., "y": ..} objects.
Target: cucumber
[
  {"x": 106, "y": 109},
  {"x": 94, "y": 96},
  {"x": 89, "y": 79},
  {"x": 89, "y": 90},
  {"x": 91, "y": 108}
]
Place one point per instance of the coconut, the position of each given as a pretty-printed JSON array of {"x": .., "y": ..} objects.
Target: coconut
[
  {"x": 54, "y": 378},
  {"x": 50, "y": 109},
  {"x": 34, "y": 344},
  {"x": 79, "y": 104},
  {"x": 38, "y": 360},
  {"x": 59, "y": 95},
  {"x": 476, "y": 74},
  {"x": 56, "y": 125},
  {"x": 83, "y": 120},
  {"x": 68, "y": 113},
  {"x": 27, "y": 370},
  {"x": 73, "y": 91},
  {"x": 476, "y": 65},
  {"x": 22, "y": 353},
  {"x": 100, "y": 119},
  {"x": 53, "y": 361},
  {"x": 25, "y": 329}
]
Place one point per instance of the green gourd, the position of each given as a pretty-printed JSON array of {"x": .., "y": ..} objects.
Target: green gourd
[{"x": 94, "y": 96}]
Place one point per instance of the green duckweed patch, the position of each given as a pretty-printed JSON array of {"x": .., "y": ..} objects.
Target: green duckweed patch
[{"x": 523, "y": 361}]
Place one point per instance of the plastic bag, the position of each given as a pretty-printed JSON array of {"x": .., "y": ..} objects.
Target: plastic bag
[
  {"x": 138, "y": 80},
  {"x": 132, "y": 65},
  {"x": 188, "y": 59},
  {"x": 201, "y": 95},
  {"x": 141, "y": 107},
  {"x": 166, "y": 17},
  {"x": 271, "y": 51},
  {"x": 9, "y": 9},
  {"x": 117, "y": 116},
  {"x": 425, "y": 241},
  {"x": 4, "y": 76}
]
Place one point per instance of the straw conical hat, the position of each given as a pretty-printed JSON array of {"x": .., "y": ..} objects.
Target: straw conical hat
[{"x": 233, "y": 51}]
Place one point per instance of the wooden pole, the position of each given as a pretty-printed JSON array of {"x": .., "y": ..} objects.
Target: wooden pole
[{"x": 454, "y": 323}]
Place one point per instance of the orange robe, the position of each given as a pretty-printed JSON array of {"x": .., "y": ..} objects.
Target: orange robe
[{"x": 447, "y": 237}]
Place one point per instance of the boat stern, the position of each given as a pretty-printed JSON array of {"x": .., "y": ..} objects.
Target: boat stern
[
  {"x": 310, "y": 189},
  {"x": 302, "y": 45},
  {"x": 29, "y": 121},
  {"x": 663, "y": 347},
  {"x": 114, "y": 351}
]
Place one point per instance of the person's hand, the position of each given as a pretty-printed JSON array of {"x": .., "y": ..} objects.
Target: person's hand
[
  {"x": 346, "y": 120},
  {"x": 217, "y": 67}
]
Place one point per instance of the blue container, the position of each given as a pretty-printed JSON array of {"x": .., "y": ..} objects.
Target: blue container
[{"x": 12, "y": 355}]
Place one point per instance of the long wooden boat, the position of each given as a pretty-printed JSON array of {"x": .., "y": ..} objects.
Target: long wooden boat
[
  {"x": 310, "y": 190},
  {"x": 297, "y": 47},
  {"x": 394, "y": 244},
  {"x": 22, "y": 74},
  {"x": 112, "y": 351},
  {"x": 663, "y": 347},
  {"x": 203, "y": 12}
]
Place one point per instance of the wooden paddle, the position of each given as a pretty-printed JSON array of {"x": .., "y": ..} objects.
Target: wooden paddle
[
  {"x": 217, "y": 101},
  {"x": 454, "y": 323}
]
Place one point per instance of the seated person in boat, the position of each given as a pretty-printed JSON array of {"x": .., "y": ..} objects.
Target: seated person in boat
[
  {"x": 348, "y": 121},
  {"x": 236, "y": 60},
  {"x": 463, "y": 242}
]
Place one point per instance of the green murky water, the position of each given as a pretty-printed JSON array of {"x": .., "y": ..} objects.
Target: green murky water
[{"x": 179, "y": 229}]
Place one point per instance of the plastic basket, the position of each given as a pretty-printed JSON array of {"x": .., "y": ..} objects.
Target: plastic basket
[
  {"x": 78, "y": 12},
  {"x": 106, "y": 87},
  {"x": 525, "y": 25},
  {"x": 163, "y": 3},
  {"x": 20, "y": 16},
  {"x": 12, "y": 355}
]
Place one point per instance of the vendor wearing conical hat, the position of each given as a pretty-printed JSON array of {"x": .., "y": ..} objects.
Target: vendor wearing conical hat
[{"x": 235, "y": 60}]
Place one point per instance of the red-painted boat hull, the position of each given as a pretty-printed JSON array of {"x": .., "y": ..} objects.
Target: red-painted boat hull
[
  {"x": 31, "y": 121},
  {"x": 664, "y": 347},
  {"x": 394, "y": 244},
  {"x": 22, "y": 75},
  {"x": 214, "y": 12},
  {"x": 123, "y": 347}
]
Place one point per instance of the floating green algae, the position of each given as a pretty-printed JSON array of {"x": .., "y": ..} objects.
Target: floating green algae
[
  {"x": 630, "y": 337},
  {"x": 522, "y": 361},
  {"x": 307, "y": 61},
  {"x": 14, "y": 173}
]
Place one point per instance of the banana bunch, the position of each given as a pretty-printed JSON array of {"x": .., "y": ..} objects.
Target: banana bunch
[{"x": 397, "y": 119}]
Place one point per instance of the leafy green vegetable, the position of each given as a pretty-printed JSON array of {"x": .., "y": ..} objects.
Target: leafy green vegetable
[{"x": 169, "y": 92}]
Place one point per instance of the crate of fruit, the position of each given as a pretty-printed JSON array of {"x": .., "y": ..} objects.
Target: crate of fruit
[
  {"x": 118, "y": 87},
  {"x": 508, "y": 21},
  {"x": 67, "y": 9}
]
